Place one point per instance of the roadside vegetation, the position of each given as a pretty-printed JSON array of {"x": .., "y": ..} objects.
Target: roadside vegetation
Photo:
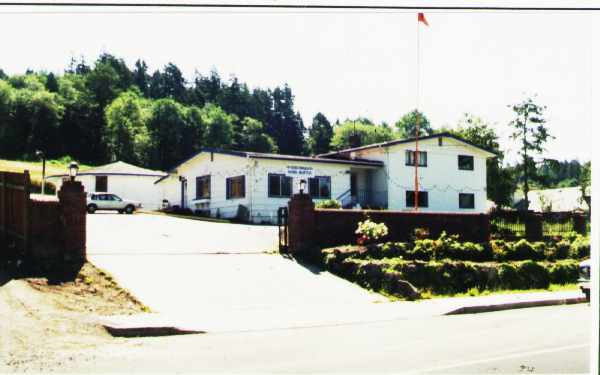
[
  {"x": 53, "y": 167},
  {"x": 446, "y": 266}
]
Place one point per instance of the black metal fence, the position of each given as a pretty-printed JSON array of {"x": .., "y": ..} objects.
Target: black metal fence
[{"x": 513, "y": 224}]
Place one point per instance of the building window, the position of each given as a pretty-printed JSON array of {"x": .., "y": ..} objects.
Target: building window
[
  {"x": 279, "y": 186},
  {"x": 466, "y": 200},
  {"x": 320, "y": 187},
  {"x": 203, "y": 187},
  {"x": 465, "y": 162},
  {"x": 236, "y": 187},
  {"x": 410, "y": 158},
  {"x": 102, "y": 184},
  {"x": 423, "y": 199}
]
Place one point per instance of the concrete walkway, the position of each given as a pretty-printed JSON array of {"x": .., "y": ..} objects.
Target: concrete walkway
[{"x": 289, "y": 317}]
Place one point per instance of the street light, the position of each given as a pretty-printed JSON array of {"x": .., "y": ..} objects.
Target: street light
[
  {"x": 302, "y": 186},
  {"x": 73, "y": 169},
  {"x": 40, "y": 154}
]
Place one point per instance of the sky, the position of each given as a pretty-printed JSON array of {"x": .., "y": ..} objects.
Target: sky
[{"x": 348, "y": 64}]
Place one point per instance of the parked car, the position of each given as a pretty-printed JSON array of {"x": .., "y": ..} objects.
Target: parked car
[
  {"x": 584, "y": 277},
  {"x": 108, "y": 201}
]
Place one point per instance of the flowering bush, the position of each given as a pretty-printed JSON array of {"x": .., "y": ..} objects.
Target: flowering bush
[{"x": 369, "y": 231}]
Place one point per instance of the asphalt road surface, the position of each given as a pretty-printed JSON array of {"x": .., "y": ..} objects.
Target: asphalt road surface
[{"x": 535, "y": 340}]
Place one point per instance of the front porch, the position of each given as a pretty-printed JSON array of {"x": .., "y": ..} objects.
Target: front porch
[{"x": 368, "y": 189}]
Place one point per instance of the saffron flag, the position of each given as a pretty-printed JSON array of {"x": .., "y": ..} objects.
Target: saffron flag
[{"x": 421, "y": 18}]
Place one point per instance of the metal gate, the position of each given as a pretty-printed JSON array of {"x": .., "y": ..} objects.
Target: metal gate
[{"x": 282, "y": 224}]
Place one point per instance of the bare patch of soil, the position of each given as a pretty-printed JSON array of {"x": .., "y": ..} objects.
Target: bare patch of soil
[
  {"x": 47, "y": 327},
  {"x": 92, "y": 291}
]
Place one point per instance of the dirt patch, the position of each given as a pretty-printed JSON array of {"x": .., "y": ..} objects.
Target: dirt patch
[
  {"x": 92, "y": 291},
  {"x": 47, "y": 327}
]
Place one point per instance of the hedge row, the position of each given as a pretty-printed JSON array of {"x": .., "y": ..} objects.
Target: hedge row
[
  {"x": 448, "y": 247},
  {"x": 449, "y": 276}
]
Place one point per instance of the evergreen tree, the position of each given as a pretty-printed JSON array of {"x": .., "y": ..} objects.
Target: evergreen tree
[
  {"x": 51, "y": 83},
  {"x": 530, "y": 131},
  {"x": 320, "y": 134},
  {"x": 141, "y": 78}
]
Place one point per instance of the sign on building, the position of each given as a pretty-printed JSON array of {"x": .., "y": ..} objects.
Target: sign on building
[{"x": 300, "y": 171}]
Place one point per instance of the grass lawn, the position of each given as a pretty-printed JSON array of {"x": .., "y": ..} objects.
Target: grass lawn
[
  {"x": 35, "y": 168},
  {"x": 474, "y": 292}
]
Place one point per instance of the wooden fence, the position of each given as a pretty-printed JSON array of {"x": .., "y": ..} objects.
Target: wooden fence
[
  {"x": 40, "y": 229},
  {"x": 15, "y": 210}
]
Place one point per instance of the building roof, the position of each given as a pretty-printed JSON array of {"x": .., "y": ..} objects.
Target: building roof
[
  {"x": 407, "y": 140},
  {"x": 118, "y": 168},
  {"x": 557, "y": 200},
  {"x": 260, "y": 155}
]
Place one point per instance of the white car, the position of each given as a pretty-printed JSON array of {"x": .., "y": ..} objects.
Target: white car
[{"x": 108, "y": 201}]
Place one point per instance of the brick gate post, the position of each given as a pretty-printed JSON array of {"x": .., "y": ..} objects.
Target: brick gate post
[
  {"x": 72, "y": 208},
  {"x": 301, "y": 223},
  {"x": 534, "y": 226}
]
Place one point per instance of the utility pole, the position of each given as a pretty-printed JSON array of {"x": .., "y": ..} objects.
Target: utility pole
[{"x": 41, "y": 154}]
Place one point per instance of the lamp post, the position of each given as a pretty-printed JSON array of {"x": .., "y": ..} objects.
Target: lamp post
[
  {"x": 73, "y": 169},
  {"x": 40, "y": 154},
  {"x": 183, "y": 181},
  {"x": 302, "y": 186}
]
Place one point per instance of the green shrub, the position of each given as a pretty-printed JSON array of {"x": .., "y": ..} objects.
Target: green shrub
[
  {"x": 328, "y": 203},
  {"x": 523, "y": 250},
  {"x": 534, "y": 275},
  {"x": 508, "y": 277},
  {"x": 562, "y": 249},
  {"x": 580, "y": 248},
  {"x": 390, "y": 250},
  {"x": 564, "y": 272}
]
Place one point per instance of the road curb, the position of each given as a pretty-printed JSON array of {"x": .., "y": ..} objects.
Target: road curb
[
  {"x": 145, "y": 326},
  {"x": 516, "y": 305}
]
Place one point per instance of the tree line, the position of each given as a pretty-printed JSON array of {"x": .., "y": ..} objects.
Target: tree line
[{"x": 105, "y": 111}]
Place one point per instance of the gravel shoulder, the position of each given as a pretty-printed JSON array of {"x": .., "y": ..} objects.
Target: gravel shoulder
[{"x": 46, "y": 327}]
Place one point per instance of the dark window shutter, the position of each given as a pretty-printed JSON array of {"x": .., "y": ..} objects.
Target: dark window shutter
[{"x": 243, "y": 186}]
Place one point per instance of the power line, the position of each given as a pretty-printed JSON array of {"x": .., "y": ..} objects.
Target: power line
[{"x": 293, "y": 6}]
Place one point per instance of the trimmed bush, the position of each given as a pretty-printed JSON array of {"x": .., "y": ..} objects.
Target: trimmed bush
[
  {"x": 328, "y": 203},
  {"x": 564, "y": 272},
  {"x": 580, "y": 248}
]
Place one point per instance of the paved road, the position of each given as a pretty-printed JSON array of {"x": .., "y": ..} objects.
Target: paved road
[
  {"x": 109, "y": 233},
  {"x": 539, "y": 340},
  {"x": 177, "y": 265}
]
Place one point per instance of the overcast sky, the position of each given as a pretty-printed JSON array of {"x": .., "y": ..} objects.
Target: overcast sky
[{"x": 349, "y": 64}]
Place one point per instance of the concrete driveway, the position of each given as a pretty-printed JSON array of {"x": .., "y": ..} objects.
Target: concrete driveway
[{"x": 182, "y": 266}]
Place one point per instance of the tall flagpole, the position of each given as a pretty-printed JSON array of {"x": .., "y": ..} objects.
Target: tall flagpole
[{"x": 416, "y": 156}]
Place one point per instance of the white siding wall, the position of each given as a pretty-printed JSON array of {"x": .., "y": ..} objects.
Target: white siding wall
[
  {"x": 136, "y": 188},
  {"x": 262, "y": 207},
  {"x": 441, "y": 178}
]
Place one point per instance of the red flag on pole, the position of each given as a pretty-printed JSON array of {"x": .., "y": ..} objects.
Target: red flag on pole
[{"x": 421, "y": 18}]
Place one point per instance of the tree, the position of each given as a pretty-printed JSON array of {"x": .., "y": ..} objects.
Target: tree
[
  {"x": 320, "y": 134},
  {"x": 51, "y": 83},
  {"x": 166, "y": 127},
  {"x": 141, "y": 78},
  {"x": 218, "y": 127},
  {"x": 3, "y": 75},
  {"x": 585, "y": 181},
  {"x": 127, "y": 137},
  {"x": 365, "y": 134},
  {"x": 407, "y": 125},
  {"x": 530, "y": 131},
  {"x": 501, "y": 183},
  {"x": 254, "y": 137},
  {"x": 284, "y": 125},
  {"x": 173, "y": 83}
]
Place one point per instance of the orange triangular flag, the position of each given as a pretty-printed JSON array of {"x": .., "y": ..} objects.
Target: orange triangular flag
[{"x": 421, "y": 18}]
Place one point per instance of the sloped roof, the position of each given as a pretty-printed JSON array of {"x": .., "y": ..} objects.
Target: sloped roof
[
  {"x": 119, "y": 168},
  {"x": 561, "y": 199},
  {"x": 407, "y": 140},
  {"x": 260, "y": 155}
]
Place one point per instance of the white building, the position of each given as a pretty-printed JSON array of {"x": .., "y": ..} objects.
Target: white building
[
  {"x": 125, "y": 180},
  {"x": 452, "y": 178}
]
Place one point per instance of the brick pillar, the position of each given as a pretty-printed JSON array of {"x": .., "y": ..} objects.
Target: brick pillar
[
  {"x": 533, "y": 226},
  {"x": 72, "y": 213},
  {"x": 301, "y": 223},
  {"x": 484, "y": 235},
  {"x": 579, "y": 224}
]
